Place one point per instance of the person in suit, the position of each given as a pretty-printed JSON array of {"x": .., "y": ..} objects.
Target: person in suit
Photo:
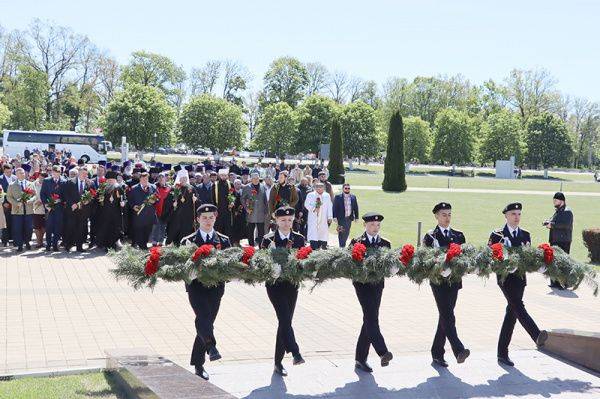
[
  {"x": 345, "y": 210},
  {"x": 446, "y": 293},
  {"x": 254, "y": 200},
  {"x": 6, "y": 178},
  {"x": 53, "y": 187},
  {"x": 282, "y": 194},
  {"x": 76, "y": 211},
  {"x": 283, "y": 294},
  {"x": 369, "y": 296},
  {"x": 513, "y": 287},
  {"x": 21, "y": 211},
  {"x": 141, "y": 199},
  {"x": 560, "y": 227},
  {"x": 205, "y": 300}
]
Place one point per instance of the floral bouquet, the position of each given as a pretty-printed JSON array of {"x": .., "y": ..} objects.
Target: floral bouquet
[
  {"x": 150, "y": 200},
  {"x": 53, "y": 201},
  {"x": 86, "y": 197},
  {"x": 28, "y": 194}
]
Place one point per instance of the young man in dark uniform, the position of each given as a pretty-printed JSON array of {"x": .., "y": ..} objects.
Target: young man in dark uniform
[
  {"x": 369, "y": 295},
  {"x": 513, "y": 286},
  {"x": 205, "y": 300},
  {"x": 283, "y": 294},
  {"x": 446, "y": 293}
]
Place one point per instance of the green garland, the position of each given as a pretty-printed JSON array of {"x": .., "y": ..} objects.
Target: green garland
[{"x": 211, "y": 266}]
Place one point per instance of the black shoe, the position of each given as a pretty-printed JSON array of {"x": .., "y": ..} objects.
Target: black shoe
[
  {"x": 200, "y": 372},
  {"x": 279, "y": 369},
  {"x": 80, "y": 249},
  {"x": 462, "y": 356},
  {"x": 28, "y": 246},
  {"x": 48, "y": 249},
  {"x": 506, "y": 361},
  {"x": 363, "y": 366},
  {"x": 55, "y": 248},
  {"x": 19, "y": 249},
  {"x": 298, "y": 360},
  {"x": 67, "y": 249},
  {"x": 385, "y": 359},
  {"x": 214, "y": 354},
  {"x": 440, "y": 361},
  {"x": 541, "y": 339}
]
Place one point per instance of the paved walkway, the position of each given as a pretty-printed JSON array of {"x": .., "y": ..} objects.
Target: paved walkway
[{"x": 484, "y": 191}]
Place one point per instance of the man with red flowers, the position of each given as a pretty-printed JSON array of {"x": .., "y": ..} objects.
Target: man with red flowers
[
  {"x": 283, "y": 294},
  {"x": 446, "y": 293},
  {"x": 369, "y": 296},
  {"x": 513, "y": 286},
  {"x": 205, "y": 300}
]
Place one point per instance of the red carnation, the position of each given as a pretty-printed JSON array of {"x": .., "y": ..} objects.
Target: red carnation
[
  {"x": 152, "y": 261},
  {"x": 358, "y": 251},
  {"x": 278, "y": 198},
  {"x": 55, "y": 197},
  {"x": 406, "y": 254},
  {"x": 248, "y": 254},
  {"x": 254, "y": 192},
  {"x": 548, "y": 253},
  {"x": 102, "y": 180},
  {"x": 232, "y": 190},
  {"x": 92, "y": 192},
  {"x": 453, "y": 251},
  {"x": 202, "y": 252},
  {"x": 497, "y": 251},
  {"x": 303, "y": 253}
]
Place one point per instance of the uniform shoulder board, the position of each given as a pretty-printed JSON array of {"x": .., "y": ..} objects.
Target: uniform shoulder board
[
  {"x": 187, "y": 239},
  {"x": 499, "y": 232},
  {"x": 222, "y": 236},
  {"x": 524, "y": 231},
  {"x": 269, "y": 235},
  {"x": 385, "y": 240},
  {"x": 297, "y": 234}
]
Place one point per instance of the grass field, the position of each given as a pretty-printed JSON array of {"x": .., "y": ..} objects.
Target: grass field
[
  {"x": 474, "y": 214},
  {"x": 82, "y": 386}
]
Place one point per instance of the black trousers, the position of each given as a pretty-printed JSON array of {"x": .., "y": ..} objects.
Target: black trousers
[
  {"x": 75, "y": 227},
  {"x": 369, "y": 297},
  {"x": 318, "y": 244},
  {"x": 260, "y": 232},
  {"x": 283, "y": 295},
  {"x": 142, "y": 235},
  {"x": 513, "y": 289},
  {"x": 206, "y": 302},
  {"x": 445, "y": 298}
]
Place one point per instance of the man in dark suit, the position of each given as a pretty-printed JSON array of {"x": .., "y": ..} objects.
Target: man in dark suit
[
  {"x": 52, "y": 190},
  {"x": 205, "y": 300},
  {"x": 369, "y": 296},
  {"x": 513, "y": 286},
  {"x": 345, "y": 210},
  {"x": 561, "y": 228},
  {"x": 6, "y": 179},
  {"x": 76, "y": 211},
  {"x": 446, "y": 293},
  {"x": 141, "y": 199}
]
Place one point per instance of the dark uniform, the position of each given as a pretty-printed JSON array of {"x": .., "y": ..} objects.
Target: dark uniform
[
  {"x": 205, "y": 300},
  {"x": 54, "y": 220},
  {"x": 110, "y": 215},
  {"x": 283, "y": 294},
  {"x": 182, "y": 215},
  {"x": 513, "y": 288},
  {"x": 369, "y": 296},
  {"x": 445, "y": 294}
]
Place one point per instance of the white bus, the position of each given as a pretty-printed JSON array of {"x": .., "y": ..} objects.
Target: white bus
[{"x": 90, "y": 147}]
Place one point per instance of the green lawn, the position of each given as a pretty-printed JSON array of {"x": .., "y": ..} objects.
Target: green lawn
[
  {"x": 90, "y": 385},
  {"x": 475, "y": 214}
]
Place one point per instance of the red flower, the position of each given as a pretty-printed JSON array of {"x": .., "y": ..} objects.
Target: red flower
[
  {"x": 278, "y": 198},
  {"x": 497, "y": 251},
  {"x": 92, "y": 192},
  {"x": 55, "y": 197},
  {"x": 231, "y": 190},
  {"x": 102, "y": 180},
  {"x": 254, "y": 192},
  {"x": 358, "y": 252},
  {"x": 152, "y": 261},
  {"x": 248, "y": 254},
  {"x": 202, "y": 252},
  {"x": 303, "y": 253},
  {"x": 28, "y": 191},
  {"x": 406, "y": 254},
  {"x": 548, "y": 253},
  {"x": 453, "y": 251}
]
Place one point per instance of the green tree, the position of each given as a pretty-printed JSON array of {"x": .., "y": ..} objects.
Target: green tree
[
  {"x": 138, "y": 113},
  {"x": 417, "y": 139},
  {"x": 276, "y": 128},
  {"x": 336, "y": 154},
  {"x": 26, "y": 97},
  {"x": 359, "y": 129},
  {"x": 393, "y": 169},
  {"x": 454, "y": 140},
  {"x": 315, "y": 115},
  {"x": 502, "y": 137},
  {"x": 548, "y": 142},
  {"x": 211, "y": 122},
  {"x": 4, "y": 115},
  {"x": 286, "y": 80}
]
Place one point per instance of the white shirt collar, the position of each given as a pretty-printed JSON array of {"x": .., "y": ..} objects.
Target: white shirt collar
[
  {"x": 511, "y": 230},
  {"x": 282, "y": 236},
  {"x": 205, "y": 235},
  {"x": 370, "y": 237},
  {"x": 444, "y": 228}
]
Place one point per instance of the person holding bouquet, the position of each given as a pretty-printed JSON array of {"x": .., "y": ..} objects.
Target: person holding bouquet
[
  {"x": 205, "y": 300},
  {"x": 445, "y": 294},
  {"x": 513, "y": 287},
  {"x": 222, "y": 195},
  {"x": 21, "y": 196},
  {"x": 77, "y": 203},
  {"x": 369, "y": 296},
  {"x": 51, "y": 196},
  {"x": 320, "y": 215},
  {"x": 283, "y": 294},
  {"x": 254, "y": 200},
  {"x": 111, "y": 205},
  {"x": 141, "y": 199},
  {"x": 180, "y": 205}
]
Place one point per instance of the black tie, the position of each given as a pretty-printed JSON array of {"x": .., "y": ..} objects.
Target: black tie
[
  {"x": 373, "y": 241},
  {"x": 446, "y": 233},
  {"x": 515, "y": 234}
]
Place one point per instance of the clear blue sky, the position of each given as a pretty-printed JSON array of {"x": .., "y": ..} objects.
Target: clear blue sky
[{"x": 373, "y": 39}]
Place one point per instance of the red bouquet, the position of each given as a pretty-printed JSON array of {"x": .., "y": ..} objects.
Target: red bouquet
[
  {"x": 303, "y": 253},
  {"x": 497, "y": 251},
  {"x": 453, "y": 251},
  {"x": 152, "y": 261},
  {"x": 28, "y": 193},
  {"x": 202, "y": 252},
  {"x": 231, "y": 197},
  {"x": 248, "y": 254},
  {"x": 548, "y": 253},
  {"x": 52, "y": 201},
  {"x": 406, "y": 254},
  {"x": 359, "y": 250}
]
